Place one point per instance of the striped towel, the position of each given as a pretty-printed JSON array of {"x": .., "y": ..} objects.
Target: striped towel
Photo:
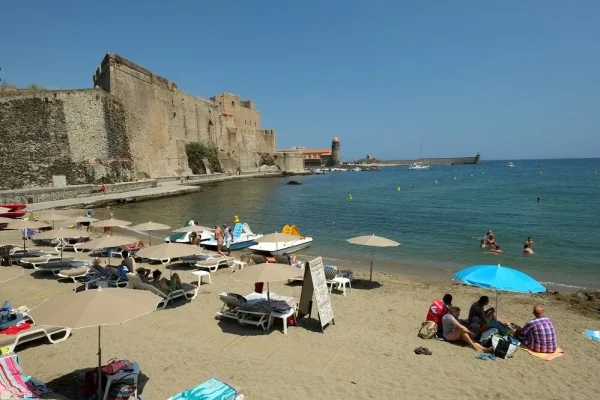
[
  {"x": 594, "y": 335},
  {"x": 14, "y": 383},
  {"x": 212, "y": 389}
]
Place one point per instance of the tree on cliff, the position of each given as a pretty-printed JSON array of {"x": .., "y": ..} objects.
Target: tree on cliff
[{"x": 198, "y": 152}]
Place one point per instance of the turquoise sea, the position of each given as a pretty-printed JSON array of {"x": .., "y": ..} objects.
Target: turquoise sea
[{"x": 438, "y": 215}]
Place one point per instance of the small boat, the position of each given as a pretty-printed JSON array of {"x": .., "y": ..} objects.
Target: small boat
[
  {"x": 14, "y": 206},
  {"x": 278, "y": 248},
  {"x": 356, "y": 169},
  {"x": 13, "y": 214},
  {"x": 510, "y": 165},
  {"x": 242, "y": 237},
  {"x": 320, "y": 172},
  {"x": 420, "y": 164},
  {"x": 294, "y": 183},
  {"x": 182, "y": 237}
]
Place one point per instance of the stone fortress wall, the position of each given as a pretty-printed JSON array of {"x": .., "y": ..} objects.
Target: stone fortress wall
[{"x": 132, "y": 125}]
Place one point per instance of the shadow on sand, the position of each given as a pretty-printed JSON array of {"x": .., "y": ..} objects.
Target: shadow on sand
[{"x": 71, "y": 385}]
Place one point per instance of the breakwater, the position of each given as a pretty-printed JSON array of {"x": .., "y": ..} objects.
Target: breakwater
[{"x": 438, "y": 161}]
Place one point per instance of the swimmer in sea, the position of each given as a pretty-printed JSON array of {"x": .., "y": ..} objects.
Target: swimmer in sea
[
  {"x": 527, "y": 249},
  {"x": 483, "y": 245},
  {"x": 497, "y": 250},
  {"x": 529, "y": 241},
  {"x": 539, "y": 199}
]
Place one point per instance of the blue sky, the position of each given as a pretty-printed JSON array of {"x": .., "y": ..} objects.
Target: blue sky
[{"x": 514, "y": 79}]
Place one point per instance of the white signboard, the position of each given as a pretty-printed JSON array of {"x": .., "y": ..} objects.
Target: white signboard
[{"x": 320, "y": 290}]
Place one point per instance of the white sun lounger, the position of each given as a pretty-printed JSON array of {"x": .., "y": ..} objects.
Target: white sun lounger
[
  {"x": 213, "y": 263},
  {"x": 38, "y": 262},
  {"x": 189, "y": 291},
  {"x": 83, "y": 275},
  {"x": 53, "y": 333},
  {"x": 76, "y": 247}
]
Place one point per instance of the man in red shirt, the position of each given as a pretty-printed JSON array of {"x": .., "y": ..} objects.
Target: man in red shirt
[{"x": 438, "y": 309}]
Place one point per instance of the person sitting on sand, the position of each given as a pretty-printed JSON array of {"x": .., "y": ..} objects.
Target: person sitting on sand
[
  {"x": 454, "y": 331},
  {"x": 128, "y": 261},
  {"x": 529, "y": 241},
  {"x": 493, "y": 321},
  {"x": 497, "y": 250},
  {"x": 438, "y": 309},
  {"x": 477, "y": 315},
  {"x": 163, "y": 284},
  {"x": 527, "y": 249},
  {"x": 538, "y": 334}
]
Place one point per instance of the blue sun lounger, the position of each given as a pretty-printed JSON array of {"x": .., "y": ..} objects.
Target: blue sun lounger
[{"x": 212, "y": 389}]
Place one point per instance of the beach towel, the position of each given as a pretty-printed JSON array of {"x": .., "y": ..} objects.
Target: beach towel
[
  {"x": 14, "y": 383},
  {"x": 545, "y": 356},
  {"x": 212, "y": 389},
  {"x": 13, "y": 330},
  {"x": 594, "y": 335}
]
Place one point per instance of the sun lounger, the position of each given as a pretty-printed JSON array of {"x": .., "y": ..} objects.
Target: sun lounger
[
  {"x": 77, "y": 247},
  {"x": 55, "y": 265},
  {"x": 238, "y": 307},
  {"x": 231, "y": 304},
  {"x": 212, "y": 263},
  {"x": 17, "y": 384},
  {"x": 188, "y": 290},
  {"x": 212, "y": 389},
  {"x": 53, "y": 333},
  {"x": 84, "y": 275}
]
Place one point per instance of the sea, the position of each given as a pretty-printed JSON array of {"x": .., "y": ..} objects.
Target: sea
[{"x": 438, "y": 216}]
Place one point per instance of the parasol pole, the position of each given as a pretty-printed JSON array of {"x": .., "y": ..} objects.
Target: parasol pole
[
  {"x": 371, "y": 275},
  {"x": 99, "y": 366}
]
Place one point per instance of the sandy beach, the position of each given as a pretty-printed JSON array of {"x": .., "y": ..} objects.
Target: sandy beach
[{"x": 368, "y": 353}]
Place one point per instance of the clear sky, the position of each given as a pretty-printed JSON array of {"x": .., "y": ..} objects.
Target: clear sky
[{"x": 511, "y": 79}]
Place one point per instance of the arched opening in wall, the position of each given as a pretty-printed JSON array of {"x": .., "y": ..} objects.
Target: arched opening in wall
[
  {"x": 211, "y": 132},
  {"x": 233, "y": 103}
]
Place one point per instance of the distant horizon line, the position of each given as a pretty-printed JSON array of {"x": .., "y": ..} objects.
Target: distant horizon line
[{"x": 498, "y": 159}]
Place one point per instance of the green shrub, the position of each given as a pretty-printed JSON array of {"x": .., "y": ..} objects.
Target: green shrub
[{"x": 197, "y": 151}]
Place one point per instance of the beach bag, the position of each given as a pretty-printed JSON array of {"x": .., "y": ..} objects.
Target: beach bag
[
  {"x": 428, "y": 330},
  {"x": 502, "y": 347},
  {"x": 486, "y": 337},
  {"x": 115, "y": 366}
]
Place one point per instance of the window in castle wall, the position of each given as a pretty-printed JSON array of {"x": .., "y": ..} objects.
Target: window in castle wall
[{"x": 233, "y": 103}]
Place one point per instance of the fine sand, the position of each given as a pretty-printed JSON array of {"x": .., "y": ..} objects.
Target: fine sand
[{"x": 368, "y": 353}]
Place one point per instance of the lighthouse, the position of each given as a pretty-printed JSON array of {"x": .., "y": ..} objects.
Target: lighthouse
[{"x": 336, "y": 158}]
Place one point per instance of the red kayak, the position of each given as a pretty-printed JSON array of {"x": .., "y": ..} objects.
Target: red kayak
[
  {"x": 13, "y": 214},
  {"x": 14, "y": 206}
]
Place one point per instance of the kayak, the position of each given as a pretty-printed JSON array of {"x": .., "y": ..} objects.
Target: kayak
[{"x": 14, "y": 206}]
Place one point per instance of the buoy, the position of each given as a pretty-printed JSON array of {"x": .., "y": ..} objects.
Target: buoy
[
  {"x": 483, "y": 173},
  {"x": 398, "y": 188},
  {"x": 349, "y": 197},
  {"x": 540, "y": 172},
  {"x": 454, "y": 178},
  {"x": 436, "y": 181},
  {"x": 235, "y": 219},
  {"x": 471, "y": 174},
  {"x": 334, "y": 222}
]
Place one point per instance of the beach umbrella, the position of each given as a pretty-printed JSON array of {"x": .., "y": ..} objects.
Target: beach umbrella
[
  {"x": 61, "y": 233},
  {"x": 373, "y": 241},
  {"x": 98, "y": 307},
  {"x": 107, "y": 242},
  {"x": 26, "y": 225},
  {"x": 193, "y": 228},
  {"x": 4, "y": 210},
  {"x": 168, "y": 251},
  {"x": 150, "y": 226},
  {"x": 497, "y": 277},
  {"x": 51, "y": 217},
  {"x": 267, "y": 272},
  {"x": 8, "y": 273}
]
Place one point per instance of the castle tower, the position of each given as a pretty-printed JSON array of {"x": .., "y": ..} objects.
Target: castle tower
[{"x": 336, "y": 158}]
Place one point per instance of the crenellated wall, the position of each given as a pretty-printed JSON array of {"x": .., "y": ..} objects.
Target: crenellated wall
[{"x": 133, "y": 125}]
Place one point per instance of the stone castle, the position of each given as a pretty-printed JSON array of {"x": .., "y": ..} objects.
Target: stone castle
[{"x": 132, "y": 125}]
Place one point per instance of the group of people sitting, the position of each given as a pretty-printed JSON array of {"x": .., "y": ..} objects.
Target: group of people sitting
[
  {"x": 537, "y": 335},
  {"x": 490, "y": 242}
]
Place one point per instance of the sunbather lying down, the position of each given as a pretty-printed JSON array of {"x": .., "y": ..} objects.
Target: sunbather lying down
[{"x": 163, "y": 284}]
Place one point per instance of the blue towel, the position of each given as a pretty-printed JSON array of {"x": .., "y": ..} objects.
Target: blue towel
[
  {"x": 594, "y": 335},
  {"x": 212, "y": 389}
]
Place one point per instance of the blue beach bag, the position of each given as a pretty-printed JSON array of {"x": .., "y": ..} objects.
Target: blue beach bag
[{"x": 212, "y": 389}]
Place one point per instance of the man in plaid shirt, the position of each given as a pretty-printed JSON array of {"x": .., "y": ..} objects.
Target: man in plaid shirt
[{"x": 538, "y": 334}]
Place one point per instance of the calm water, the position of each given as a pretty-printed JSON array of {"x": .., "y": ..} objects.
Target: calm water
[{"x": 438, "y": 224}]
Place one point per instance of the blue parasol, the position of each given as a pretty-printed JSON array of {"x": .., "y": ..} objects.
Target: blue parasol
[{"x": 498, "y": 277}]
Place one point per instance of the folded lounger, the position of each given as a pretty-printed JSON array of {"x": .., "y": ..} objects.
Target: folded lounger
[
  {"x": 188, "y": 291},
  {"x": 213, "y": 263},
  {"x": 53, "y": 333},
  {"x": 14, "y": 382}
]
